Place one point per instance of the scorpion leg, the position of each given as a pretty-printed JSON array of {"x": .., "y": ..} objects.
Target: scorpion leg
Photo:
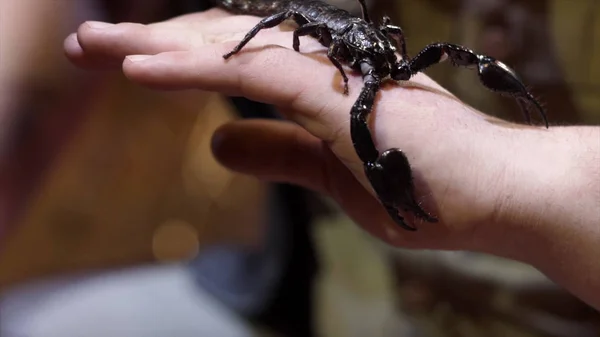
[
  {"x": 493, "y": 74},
  {"x": 331, "y": 54},
  {"x": 390, "y": 173},
  {"x": 268, "y": 22},
  {"x": 322, "y": 31},
  {"x": 396, "y": 33},
  {"x": 365, "y": 11}
]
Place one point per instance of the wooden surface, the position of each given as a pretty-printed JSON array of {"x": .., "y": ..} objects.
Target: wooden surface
[{"x": 137, "y": 183}]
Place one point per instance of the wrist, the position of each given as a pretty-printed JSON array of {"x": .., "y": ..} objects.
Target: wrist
[
  {"x": 546, "y": 198},
  {"x": 562, "y": 237}
]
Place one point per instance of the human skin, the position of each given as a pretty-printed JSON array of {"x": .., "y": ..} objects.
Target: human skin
[
  {"x": 20, "y": 61},
  {"x": 523, "y": 192},
  {"x": 30, "y": 64}
]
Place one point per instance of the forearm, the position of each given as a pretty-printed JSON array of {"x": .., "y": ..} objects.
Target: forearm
[
  {"x": 550, "y": 215},
  {"x": 570, "y": 233}
]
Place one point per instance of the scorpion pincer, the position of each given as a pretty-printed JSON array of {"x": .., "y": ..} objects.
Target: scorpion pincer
[{"x": 371, "y": 49}]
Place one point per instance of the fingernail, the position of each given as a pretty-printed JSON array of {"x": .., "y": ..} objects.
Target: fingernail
[
  {"x": 72, "y": 46},
  {"x": 99, "y": 24},
  {"x": 138, "y": 58}
]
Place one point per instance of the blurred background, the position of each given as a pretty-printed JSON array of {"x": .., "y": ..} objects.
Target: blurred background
[{"x": 116, "y": 220}]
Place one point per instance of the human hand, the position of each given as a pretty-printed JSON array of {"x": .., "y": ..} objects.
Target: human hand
[{"x": 464, "y": 161}]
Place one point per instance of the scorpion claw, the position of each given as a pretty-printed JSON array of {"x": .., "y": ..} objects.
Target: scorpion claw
[
  {"x": 498, "y": 77},
  {"x": 389, "y": 173},
  {"x": 391, "y": 177},
  {"x": 398, "y": 219},
  {"x": 420, "y": 213},
  {"x": 493, "y": 74}
]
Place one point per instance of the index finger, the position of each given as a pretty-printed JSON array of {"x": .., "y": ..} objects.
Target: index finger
[{"x": 271, "y": 74}]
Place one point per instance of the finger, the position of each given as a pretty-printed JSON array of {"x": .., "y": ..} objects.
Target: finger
[
  {"x": 276, "y": 151},
  {"x": 115, "y": 41},
  {"x": 75, "y": 53},
  {"x": 310, "y": 92},
  {"x": 284, "y": 152},
  {"x": 105, "y": 44}
]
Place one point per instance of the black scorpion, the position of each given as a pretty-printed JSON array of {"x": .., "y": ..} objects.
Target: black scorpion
[{"x": 371, "y": 49}]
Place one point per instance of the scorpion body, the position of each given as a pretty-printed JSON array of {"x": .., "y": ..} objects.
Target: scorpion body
[{"x": 371, "y": 49}]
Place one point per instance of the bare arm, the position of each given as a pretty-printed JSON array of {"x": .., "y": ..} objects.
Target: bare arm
[
  {"x": 551, "y": 209},
  {"x": 522, "y": 192}
]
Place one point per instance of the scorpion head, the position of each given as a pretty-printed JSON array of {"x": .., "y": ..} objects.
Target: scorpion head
[{"x": 401, "y": 71}]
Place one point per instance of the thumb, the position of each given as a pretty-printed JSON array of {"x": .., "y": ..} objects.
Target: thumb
[
  {"x": 284, "y": 152},
  {"x": 276, "y": 151}
]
